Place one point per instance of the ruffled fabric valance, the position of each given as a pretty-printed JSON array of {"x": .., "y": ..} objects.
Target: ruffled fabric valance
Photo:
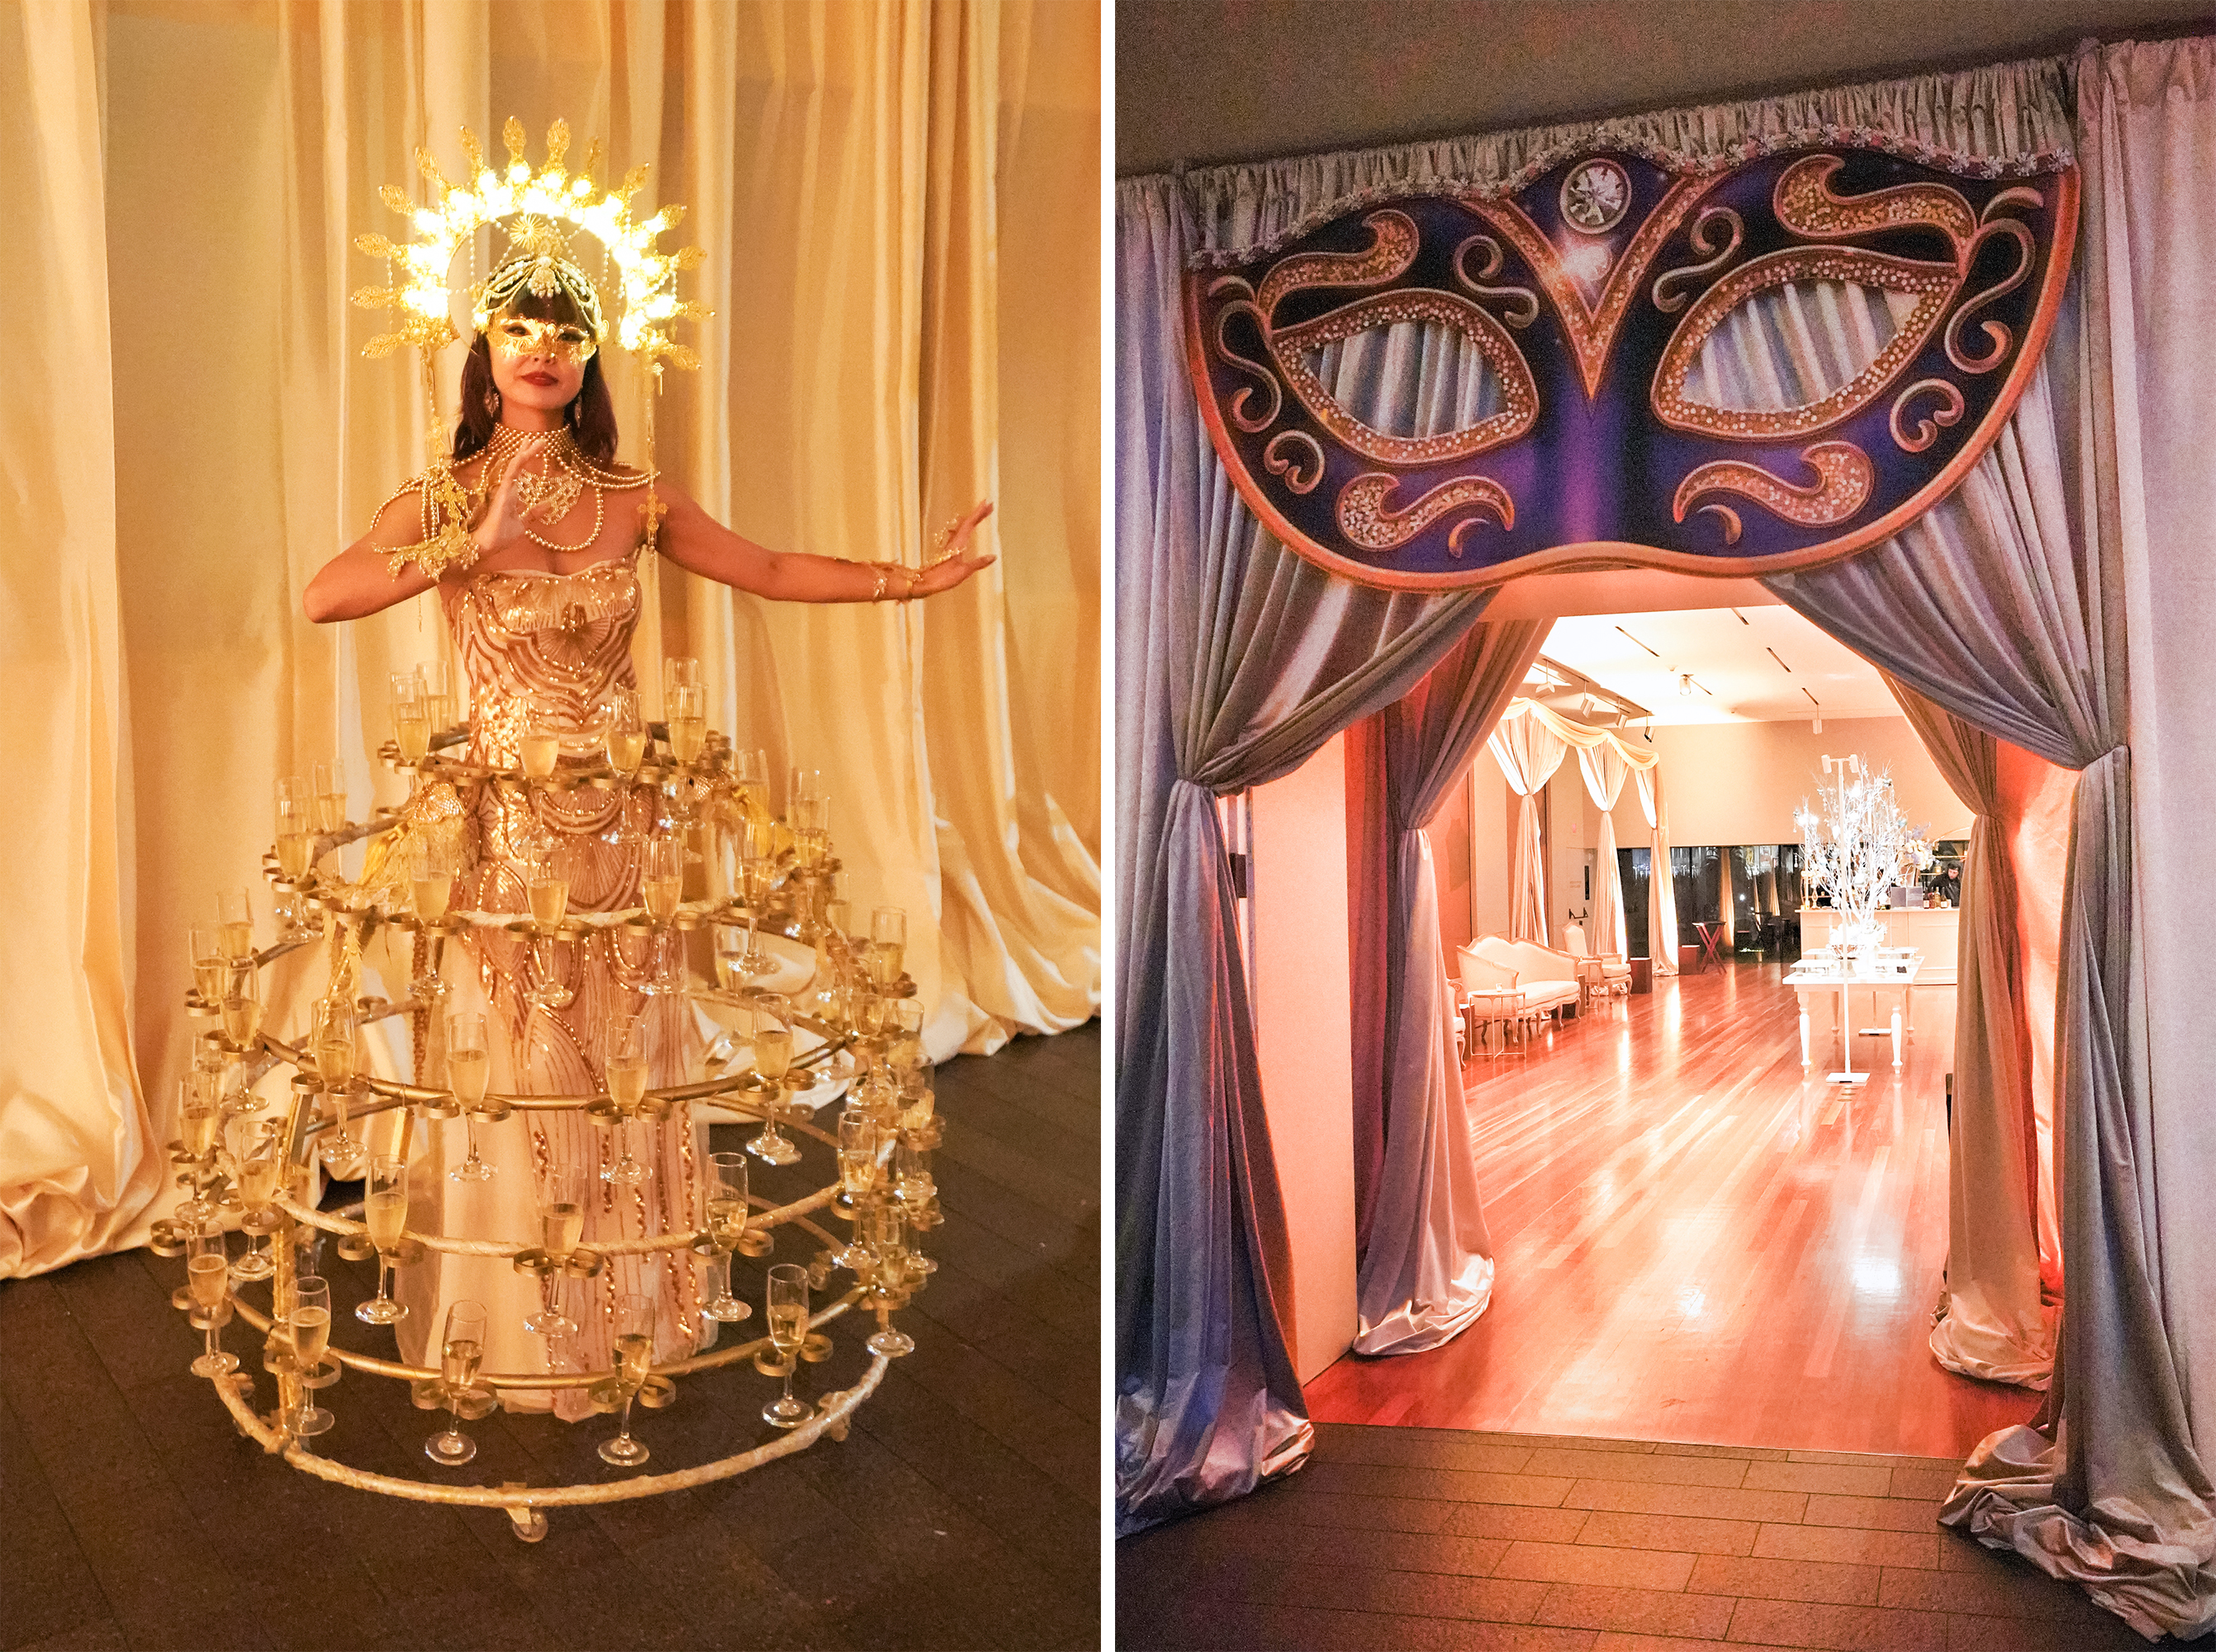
[{"x": 2010, "y": 119}]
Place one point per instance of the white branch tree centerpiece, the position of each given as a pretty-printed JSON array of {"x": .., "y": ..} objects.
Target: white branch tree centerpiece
[{"x": 1858, "y": 847}]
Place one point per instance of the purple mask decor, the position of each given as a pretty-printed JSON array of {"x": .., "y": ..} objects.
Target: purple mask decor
[{"x": 1627, "y": 360}]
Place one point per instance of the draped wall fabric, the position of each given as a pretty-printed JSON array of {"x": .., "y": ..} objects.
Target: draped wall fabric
[
  {"x": 80, "y": 1160},
  {"x": 1604, "y": 770},
  {"x": 1235, "y": 661},
  {"x": 845, "y": 169},
  {"x": 2059, "y": 601},
  {"x": 1994, "y": 1325},
  {"x": 1426, "y": 1268},
  {"x": 1529, "y": 753},
  {"x": 1661, "y": 883}
]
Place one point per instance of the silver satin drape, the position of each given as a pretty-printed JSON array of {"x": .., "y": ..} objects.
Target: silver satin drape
[
  {"x": 1994, "y": 1326},
  {"x": 1426, "y": 1271},
  {"x": 2061, "y": 601},
  {"x": 1529, "y": 753},
  {"x": 1604, "y": 770},
  {"x": 1235, "y": 661}
]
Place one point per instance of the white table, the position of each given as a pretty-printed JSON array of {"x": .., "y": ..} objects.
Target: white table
[{"x": 1821, "y": 975}]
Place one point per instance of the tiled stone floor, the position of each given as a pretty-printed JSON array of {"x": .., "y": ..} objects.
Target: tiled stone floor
[{"x": 1419, "y": 1539}]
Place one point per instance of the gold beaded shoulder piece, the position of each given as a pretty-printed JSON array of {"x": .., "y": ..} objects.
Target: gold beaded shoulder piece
[{"x": 547, "y": 491}]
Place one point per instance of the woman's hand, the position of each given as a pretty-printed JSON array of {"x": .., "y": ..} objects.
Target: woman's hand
[
  {"x": 500, "y": 521},
  {"x": 960, "y": 562}
]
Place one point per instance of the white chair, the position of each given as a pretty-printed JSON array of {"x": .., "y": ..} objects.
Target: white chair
[{"x": 1598, "y": 974}]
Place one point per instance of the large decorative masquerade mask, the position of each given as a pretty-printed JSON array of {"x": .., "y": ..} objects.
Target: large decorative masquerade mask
[{"x": 1631, "y": 359}]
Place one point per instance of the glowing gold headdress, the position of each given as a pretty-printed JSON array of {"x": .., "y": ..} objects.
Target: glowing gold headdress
[{"x": 532, "y": 206}]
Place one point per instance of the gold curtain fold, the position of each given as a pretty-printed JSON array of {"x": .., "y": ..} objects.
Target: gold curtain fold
[{"x": 194, "y": 186}]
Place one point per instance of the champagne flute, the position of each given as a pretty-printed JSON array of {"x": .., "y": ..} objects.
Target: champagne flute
[
  {"x": 541, "y": 745},
  {"x": 687, "y": 723},
  {"x": 887, "y": 944},
  {"x": 662, "y": 883},
  {"x": 801, "y": 782},
  {"x": 679, "y": 671},
  {"x": 235, "y": 925},
  {"x": 469, "y": 1070},
  {"x": 634, "y": 1353},
  {"x": 904, "y": 1028},
  {"x": 203, "y": 950},
  {"x": 384, "y": 1213},
  {"x": 308, "y": 1321},
  {"x": 548, "y": 885},
  {"x": 788, "y": 1329},
  {"x": 912, "y": 1177},
  {"x": 254, "y": 1165},
  {"x": 624, "y": 731},
  {"x": 296, "y": 845},
  {"x": 199, "y": 1118},
  {"x": 724, "y": 1214},
  {"x": 811, "y": 830},
  {"x": 242, "y": 1007},
  {"x": 411, "y": 721},
  {"x": 207, "y": 1275},
  {"x": 330, "y": 794},
  {"x": 431, "y": 881},
  {"x": 858, "y": 1176},
  {"x": 772, "y": 1060},
  {"x": 560, "y": 1224},
  {"x": 885, "y": 1227},
  {"x": 461, "y": 1352},
  {"x": 337, "y": 1056},
  {"x": 433, "y": 681},
  {"x": 624, "y": 1065}
]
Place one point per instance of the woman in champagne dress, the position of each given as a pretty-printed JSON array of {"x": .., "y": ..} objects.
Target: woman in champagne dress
[{"x": 532, "y": 538}]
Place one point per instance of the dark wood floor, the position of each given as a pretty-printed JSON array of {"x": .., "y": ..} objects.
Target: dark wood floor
[
  {"x": 1397, "y": 1539},
  {"x": 1698, "y": 1241},
  {"x": 962, "y": 1512}
]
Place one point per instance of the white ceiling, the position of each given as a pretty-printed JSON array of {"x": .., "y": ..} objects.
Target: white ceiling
[{"x": 1748, "y": 665}]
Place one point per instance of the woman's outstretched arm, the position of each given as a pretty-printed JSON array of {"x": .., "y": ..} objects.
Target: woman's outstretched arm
[
  {"x": 355, "y": 583},
  {"x": 697, "y": 542}
]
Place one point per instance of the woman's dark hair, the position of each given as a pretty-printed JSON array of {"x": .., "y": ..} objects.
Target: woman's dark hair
[{"x": 590, "y": 418}]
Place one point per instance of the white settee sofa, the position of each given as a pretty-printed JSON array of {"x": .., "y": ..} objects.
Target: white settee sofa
[{"x": 1544, "y": 980}]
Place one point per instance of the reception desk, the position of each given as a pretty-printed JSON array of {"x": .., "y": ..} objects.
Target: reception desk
[{"x": 1934, "y": 932}]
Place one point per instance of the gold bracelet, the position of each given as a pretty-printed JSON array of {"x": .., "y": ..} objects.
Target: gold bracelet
[{"x": 884, "y": 571}]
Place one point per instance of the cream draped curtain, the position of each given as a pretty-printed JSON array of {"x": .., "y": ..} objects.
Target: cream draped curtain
[
  {"x": 193, "y": 176},
  {"x": 1661, "y": 883},
  {"x": 1529, "y": 745}
]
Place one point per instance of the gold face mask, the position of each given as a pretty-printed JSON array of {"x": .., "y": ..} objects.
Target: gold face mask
[{"x": 555, "y": 340}]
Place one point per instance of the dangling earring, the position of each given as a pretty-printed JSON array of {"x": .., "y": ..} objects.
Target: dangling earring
[{"x": 492, "y": 402}]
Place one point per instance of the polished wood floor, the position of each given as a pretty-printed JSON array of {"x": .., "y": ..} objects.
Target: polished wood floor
[
  {"x": 963, "y": 1511},
  {"x": 1696, "y": 1241},
  {"x": 1418, "y": 1540}
]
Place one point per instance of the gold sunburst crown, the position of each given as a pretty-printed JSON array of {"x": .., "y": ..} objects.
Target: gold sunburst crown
[{"x": 533, "y": 206}]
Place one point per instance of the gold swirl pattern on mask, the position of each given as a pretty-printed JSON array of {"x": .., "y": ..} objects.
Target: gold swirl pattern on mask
[
  {"x": 1844, "y": 478},
  {"x": 1367, "y": 520}
]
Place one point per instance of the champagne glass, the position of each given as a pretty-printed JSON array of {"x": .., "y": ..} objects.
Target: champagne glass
[
  {"x": 724, "y": 1214},
  {"x": 411, "y": 720},
  {"x": 207, "y": 1275},
  {"x": 541, "y": 748},
  {"x": 242, "y": 1007},
  {"x": 811, "y": 830},
  {"x": 886, "y": 1229},
  {"x": 801, "y": 782},
  {"x": 329, "y": 813},
  {"x": 309, "y": 1322},
  {"x": 235, "y": 925},
  {"x": 199, "y": 1116},
  {"x": 678, "y": 672},
  {"x": 560, "y": 1224},
  {"x": 461, "y": 1352},
  {"x": 772, "y": 1060},
  {"x": 469, "y": 1070},
  {"x": 624, "y": 1065},
  {"x": 735, "y": 960},
  {"x": 662, "y": 883},
  {"x": 548, "y": 885},
  {"x": 296, "y": 851},
  {"x": 384, "y": 1213},
  {"x": 337, "y": 1056},
  {"x": 254, "y": 1166},
  {"x": 916, "y": 1102},
  {"x": 687, "y": 721},
  {"x": 887, "y": 944},
  {"x": 634, "y": 1352},
  {"x": 904, "y": 1035},
  {"x": 857, "y": 1177},
  {"x": 912, "y": 1177},
  {"x": 203, "y": 950},
  {"x": 431, "y": 880},
  {"x": 623, "y": 731},
  {"x": 750, "y": 781},
  {"x": 435, "y": 683},
  {"x": 788, "y": 1329}
]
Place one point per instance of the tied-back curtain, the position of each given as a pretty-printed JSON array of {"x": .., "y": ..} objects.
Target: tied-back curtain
[
  {"x": 839, "y": 163},
  {"x": 1994, "y": 1325},
  {"x": 1426, "y": 1268},
  {"x": 1603, "y": 768},
  {"x": 1235, "y": 661},
  {"x": 1661, "y": 882},
  {"x": 1528, "y": 752},
  {"x": 2060, "y": 601}
]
